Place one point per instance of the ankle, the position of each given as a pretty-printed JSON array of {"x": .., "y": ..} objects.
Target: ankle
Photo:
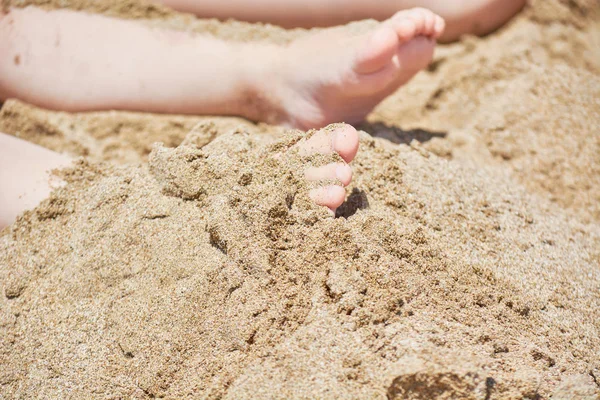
[{"x": 262, "y": 82}]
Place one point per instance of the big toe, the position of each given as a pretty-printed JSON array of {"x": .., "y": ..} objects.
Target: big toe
[
  {"x": 338, "y": 138},
  {"x": 415, "y": 55},
  {"x": 377, "y": 50},
  {"x": 345, "y": 142}
]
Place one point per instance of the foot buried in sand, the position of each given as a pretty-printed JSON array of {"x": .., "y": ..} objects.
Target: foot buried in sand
[
  {"x": 328, "y": 78},
  {"x": 341, "y": 139}
]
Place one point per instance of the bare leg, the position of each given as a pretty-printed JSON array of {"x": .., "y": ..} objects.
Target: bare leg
[
  {"x": 78, "y": 62},
  {"x": 72, "y": 61},
  {"x": 476, "y": 17},
  {"x": 24, "y": 175}
]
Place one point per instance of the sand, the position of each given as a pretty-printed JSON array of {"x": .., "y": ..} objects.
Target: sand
[{"x": 465, "y": 263}]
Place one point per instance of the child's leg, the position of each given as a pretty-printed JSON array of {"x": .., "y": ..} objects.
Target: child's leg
[
  {"x": 24, "y": 175},
  {"x": 77, "y": 62},
  {"x": 462, "y": 17},
  {"x": 72, "y": 61}
]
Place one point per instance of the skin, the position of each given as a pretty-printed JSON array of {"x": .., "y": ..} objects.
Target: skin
[
  {"x": 343, "y": 140},
  {"x": 24, "y": 175},
  {"x": 476, "y": 17},
  {"x": 72, "y": 61}
]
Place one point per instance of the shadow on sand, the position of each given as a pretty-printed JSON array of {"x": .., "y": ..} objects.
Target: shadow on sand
[
  {"x": 356, "y": 201},
  {"x": 397, "y": 135}
]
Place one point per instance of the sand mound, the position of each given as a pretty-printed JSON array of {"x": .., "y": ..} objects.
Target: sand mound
[
  {"x": 524, "y": 101},
  {"x": 541, "y": 71},
  {"x": 465, "y": 263},
  {"x": 529, "y": 119},
  {"x": 211, "y": 274}
]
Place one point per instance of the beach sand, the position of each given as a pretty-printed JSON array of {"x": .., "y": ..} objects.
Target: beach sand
[{"x": 465, "y": 263}]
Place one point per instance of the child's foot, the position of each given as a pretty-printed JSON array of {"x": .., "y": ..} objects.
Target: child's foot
[
  {"x": 341, "y": 139},
  {"x": 332, "y": 76}
]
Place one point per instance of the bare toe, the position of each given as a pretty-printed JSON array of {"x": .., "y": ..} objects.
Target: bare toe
[
  {"x": 333, "y": 171},
  {"x": 342, "y": 139},
  {"x": 414, "y": 22},
  {"x": 345, "y": 142},
  {"x": 377, "y": 50},
  {"x": 428, "y": 24},
  {"x": 405, "y": 27},
  {"x": 439, "y": 27},
  {"x": 328, "y": 196},
  {"x": 414, "y": 56}
]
